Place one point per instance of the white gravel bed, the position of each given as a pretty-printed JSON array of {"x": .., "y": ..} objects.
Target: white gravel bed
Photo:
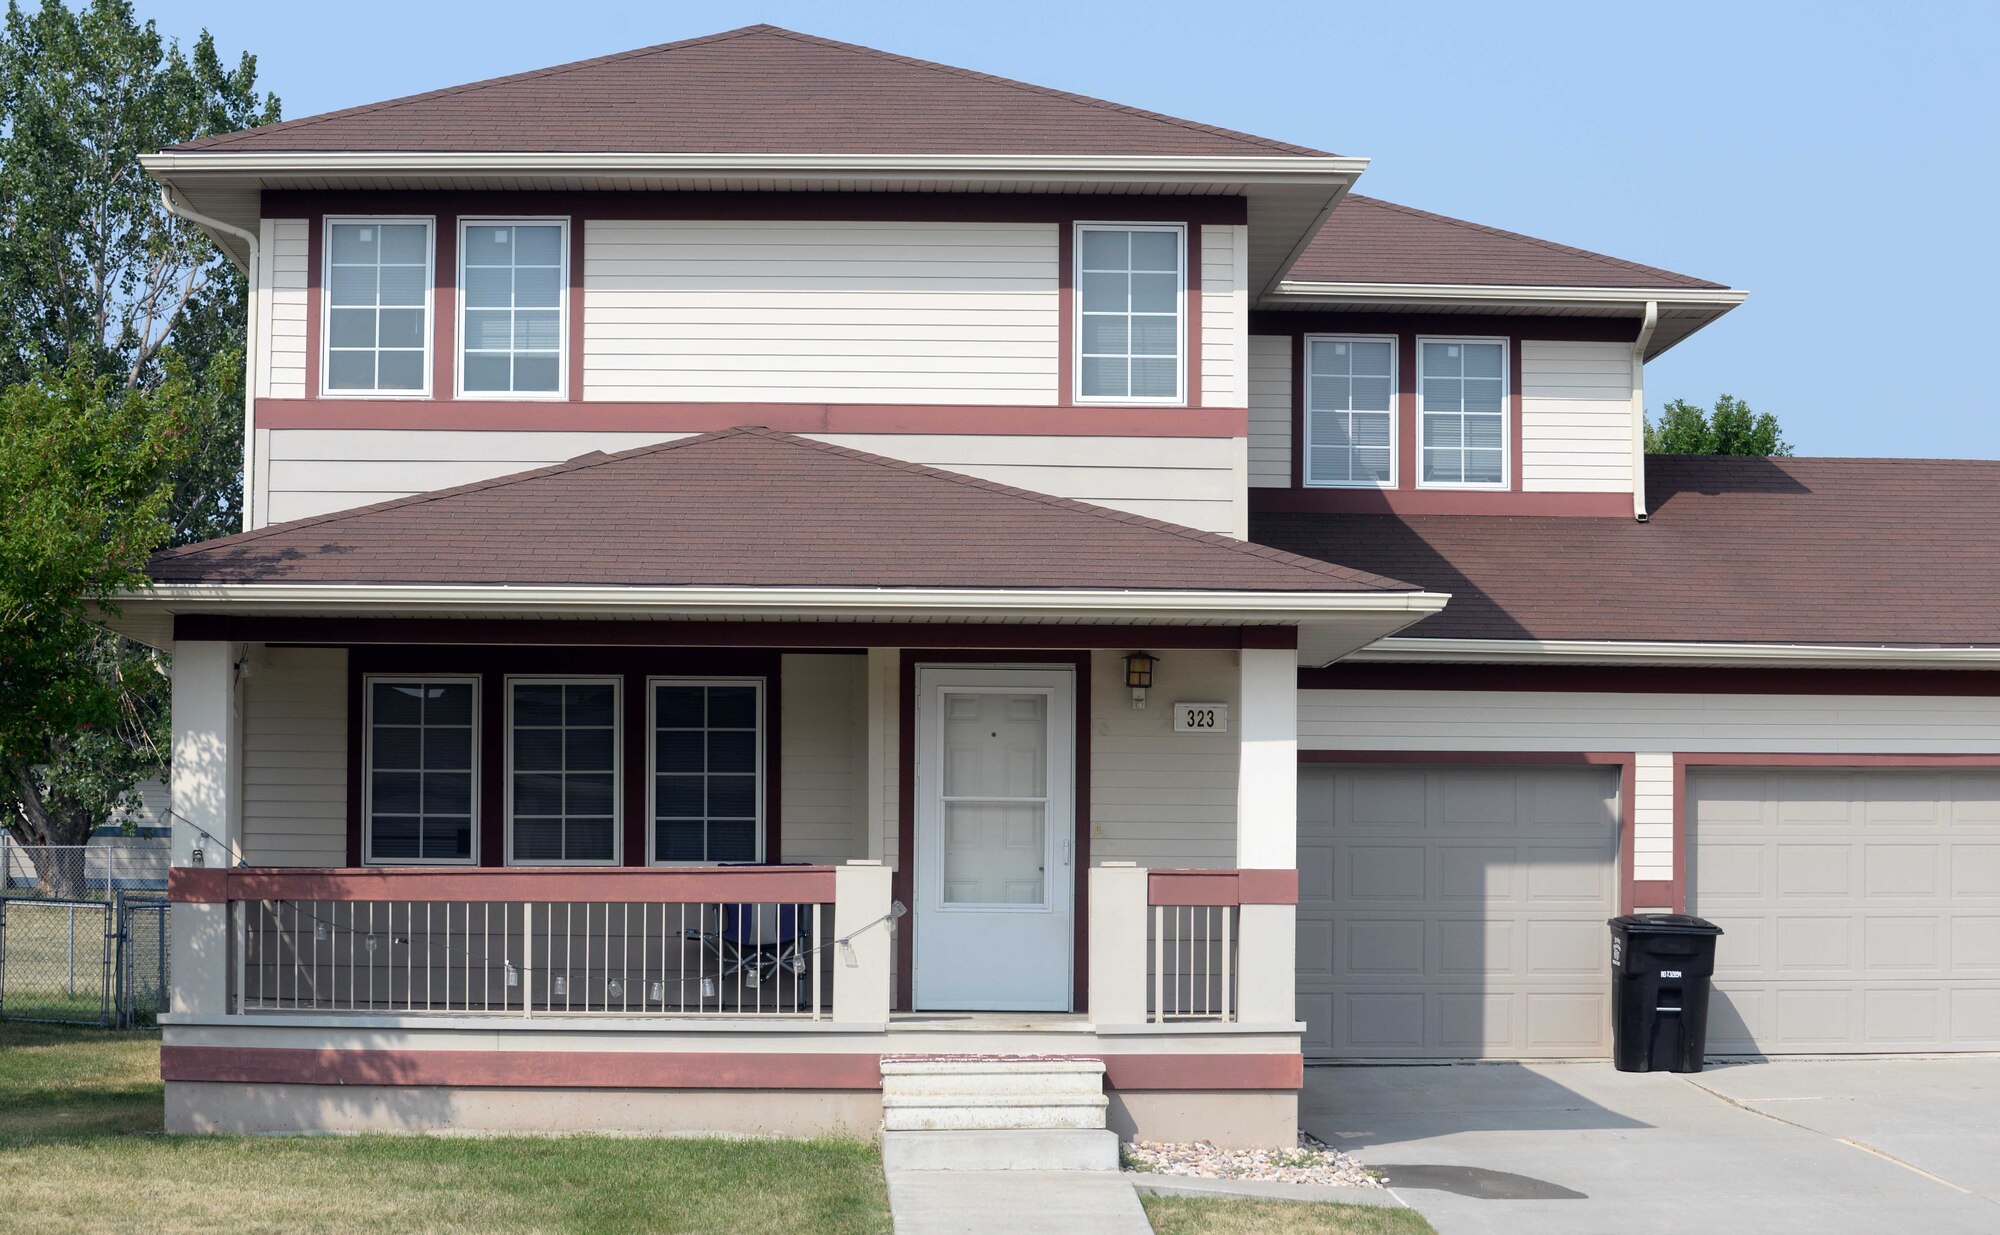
[{"x": 1311, "y": 1163}]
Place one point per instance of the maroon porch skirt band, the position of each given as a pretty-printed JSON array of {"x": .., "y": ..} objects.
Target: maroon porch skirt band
[{"x": 667, "y": 1069}]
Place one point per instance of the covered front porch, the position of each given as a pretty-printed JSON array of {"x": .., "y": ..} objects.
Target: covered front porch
[{"x": 949, "y": 849}]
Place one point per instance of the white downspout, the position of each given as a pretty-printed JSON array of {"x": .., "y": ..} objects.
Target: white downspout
[
  {"x": 253, "y": 342},
  {"x": 1639, "y": 345}
]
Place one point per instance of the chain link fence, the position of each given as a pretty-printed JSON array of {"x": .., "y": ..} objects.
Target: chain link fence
[
  {"x": 95, "y": 871},
  {"x": 83, "y": 932}
]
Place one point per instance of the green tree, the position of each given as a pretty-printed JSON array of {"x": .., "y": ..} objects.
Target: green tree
[
  {"x": 1731, "y": 429},
  {"x": 121, "y": 388},
  {"x": 86, "y": 484},
  {"x": 93, "y": 268}
]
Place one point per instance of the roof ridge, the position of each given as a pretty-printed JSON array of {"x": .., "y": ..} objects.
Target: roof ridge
[
  {"x": 1552, "y": 245},
  {"x": 1031, "y": 87},
  {"x": 553, "y": 70}
]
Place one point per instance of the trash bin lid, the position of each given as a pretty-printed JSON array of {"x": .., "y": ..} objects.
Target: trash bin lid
[{"x": 1665, "y": 924}]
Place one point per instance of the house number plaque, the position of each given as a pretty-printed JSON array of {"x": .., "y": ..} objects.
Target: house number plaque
[{"x": 1201, "y": 718}]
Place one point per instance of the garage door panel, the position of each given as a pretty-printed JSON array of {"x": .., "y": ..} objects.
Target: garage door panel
[
  {"x": 1879, "y": 927},
  {"x": 1498, "y": 950}
]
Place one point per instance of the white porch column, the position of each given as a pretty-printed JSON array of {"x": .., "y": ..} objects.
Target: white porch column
[
  {"x": 1118, "y": 943},
  {"x": 205, "y": 747},
  {"x": 861, "y": 989},
  {"x": 1267, "y": 828}
]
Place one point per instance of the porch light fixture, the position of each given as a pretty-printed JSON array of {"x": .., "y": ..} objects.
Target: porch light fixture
[{"x": 1139, "y": 675}]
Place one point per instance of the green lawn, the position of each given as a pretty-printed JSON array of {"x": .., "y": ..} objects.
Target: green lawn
[
  {"x": 1191, "y": 1215},
  {"x": 81, "y": 1151}
]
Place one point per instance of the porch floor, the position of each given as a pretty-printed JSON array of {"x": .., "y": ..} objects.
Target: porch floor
[{"x": 987, "y": 1022}]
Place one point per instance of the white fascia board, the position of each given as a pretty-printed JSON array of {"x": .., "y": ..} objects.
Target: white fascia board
[
  {"x": 806, "y": 603},
  {"x": 1249, "y": 169},
  {"x": 1489, "y": 294},
  {"x": 1602, "y": 652}
]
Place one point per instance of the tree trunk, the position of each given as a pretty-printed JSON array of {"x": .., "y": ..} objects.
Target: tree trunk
[{"x": 57, "y": 856}]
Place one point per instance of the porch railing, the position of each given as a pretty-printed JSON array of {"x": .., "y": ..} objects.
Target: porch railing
[
  {"x": 1184, "y": 946},
  {"x": 707, "y": 942}
]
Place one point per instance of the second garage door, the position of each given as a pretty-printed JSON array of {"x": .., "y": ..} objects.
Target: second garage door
[
  {"x": 1861, "y": 908},
  {"x": 1456, "y": 911}
]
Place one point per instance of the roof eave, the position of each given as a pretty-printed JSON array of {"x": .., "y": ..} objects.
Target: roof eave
[
  {"x": 1682, "y": 310},
  {"x": 1338, "y": 621},
  {"x": 1418, "y": 650}
]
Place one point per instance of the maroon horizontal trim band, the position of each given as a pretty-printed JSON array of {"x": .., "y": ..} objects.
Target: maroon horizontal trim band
[
  {"x": 1745, "y": 759},
  {"x": 871, "y": 418},
  {"x": 1652, "y": 679},
  {"x": 590, "y": 633},
  {"x": 1439, "y": 502},
  {"x": 1590, "y": 757},
  {"x": 524, "y": 1069},
  {"x": 801, "y": 884},
  {"x": 1526, "y": 326},
  {"x": 1198, "y": 1072},
  {"x": 1222, "y": 887},
  {"x": 584, "y": 205}
]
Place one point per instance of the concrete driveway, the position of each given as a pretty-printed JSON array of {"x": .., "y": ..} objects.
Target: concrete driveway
[{"x": 1825, "y": 1147}]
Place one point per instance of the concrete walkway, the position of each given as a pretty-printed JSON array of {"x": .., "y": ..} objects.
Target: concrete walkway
[
  {"x": 1015, "y": 1203},
  {"x": 1835, "y": 1147}
]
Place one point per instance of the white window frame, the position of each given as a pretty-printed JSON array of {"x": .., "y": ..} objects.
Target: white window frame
[
  {"x": 326, "y": 305},
  {"x": 368, "y": 683},
  {"x": 1180, "y": 395},
  {"x": 617, "y": 684},
  {"x": 1395, "y": 412},
  {"x": 1506, "y": 414},
  {"x": 761, "y": 686},
  {"x": 561, "y": 391}
]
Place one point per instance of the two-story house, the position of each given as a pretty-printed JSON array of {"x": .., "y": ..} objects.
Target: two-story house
[{"x": 663, "y": 469}]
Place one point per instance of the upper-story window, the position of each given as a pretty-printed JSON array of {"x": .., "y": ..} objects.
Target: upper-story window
[
  {"x": 1350, "y": 411},
  {"x": 378, "y": 307},
  {"x": 1462, "y": 400},
  {"x": 513, "y": 276},
  {"x": 1130, "y": 326}
]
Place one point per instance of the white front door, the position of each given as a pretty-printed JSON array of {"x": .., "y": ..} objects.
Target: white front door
[{"x": 995, "y": 815}]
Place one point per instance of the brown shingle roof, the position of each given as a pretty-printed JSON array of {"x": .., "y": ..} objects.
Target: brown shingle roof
[
  {"x": 749, "y": 507},
  {"x": 1366, "y": 240},
  {"x": 760, "y": 89},
  {"x": 1829, "y": 551}
]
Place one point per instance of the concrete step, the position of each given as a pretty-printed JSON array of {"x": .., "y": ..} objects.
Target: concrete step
[
  {"x": 1078, "y": 1077},
  {"x": 992, "y": 1111},
  {"x": 1038, "y": 1149}
]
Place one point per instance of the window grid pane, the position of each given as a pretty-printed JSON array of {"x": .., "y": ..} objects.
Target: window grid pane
[
  {"x": 1350, "y": 416},
  {"x": 512, "y": 341},
  {"x": 564, "y": 766},
  {"x": 420, "y": 771},
  {"x": 1465, "y": 415},
  {"x": 1129, "y": 291},
  {"x": 378, "y": 284},
  {"x": 707, "y": 779}
]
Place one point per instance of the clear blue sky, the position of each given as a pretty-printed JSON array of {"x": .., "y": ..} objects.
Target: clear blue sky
[{"x": 1840, "y": 161}]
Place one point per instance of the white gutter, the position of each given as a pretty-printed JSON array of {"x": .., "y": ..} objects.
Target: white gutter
[
  {"x": 1409, "y": 650},
  {"x": 1639, "y": 345},
  {"x": 1525, "y": 296},
  {"x": 1243, "y": 168},
  {"x": 252, "y": 320},
  {"x": 409, "y": 600}
]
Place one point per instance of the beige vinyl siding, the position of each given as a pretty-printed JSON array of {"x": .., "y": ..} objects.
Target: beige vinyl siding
[
  {"x": 1225, "y": 314},
  {"x": 1271, "y": 411},
  {"x": 1194, "y": 481},
  {"x": 306, "y": 472},
  {"x": 1576, "y": 417},
  {"x": 1160, "y": 798},
  {"x": 844, "y": 312},
  {"x": 1653, "y": 726},
  {"x": 823, "y": 740},
  {"x": 295, "y": 757},
  {"x": 282, "y": 284}
]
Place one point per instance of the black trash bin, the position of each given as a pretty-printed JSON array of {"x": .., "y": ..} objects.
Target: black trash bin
[{"x": 1660, "y": 967}]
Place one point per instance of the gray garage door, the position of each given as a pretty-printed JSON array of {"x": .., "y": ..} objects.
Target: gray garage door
[
  {"x": 1862, "y": 908},
  {"x": 1455, "y": 912}
]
